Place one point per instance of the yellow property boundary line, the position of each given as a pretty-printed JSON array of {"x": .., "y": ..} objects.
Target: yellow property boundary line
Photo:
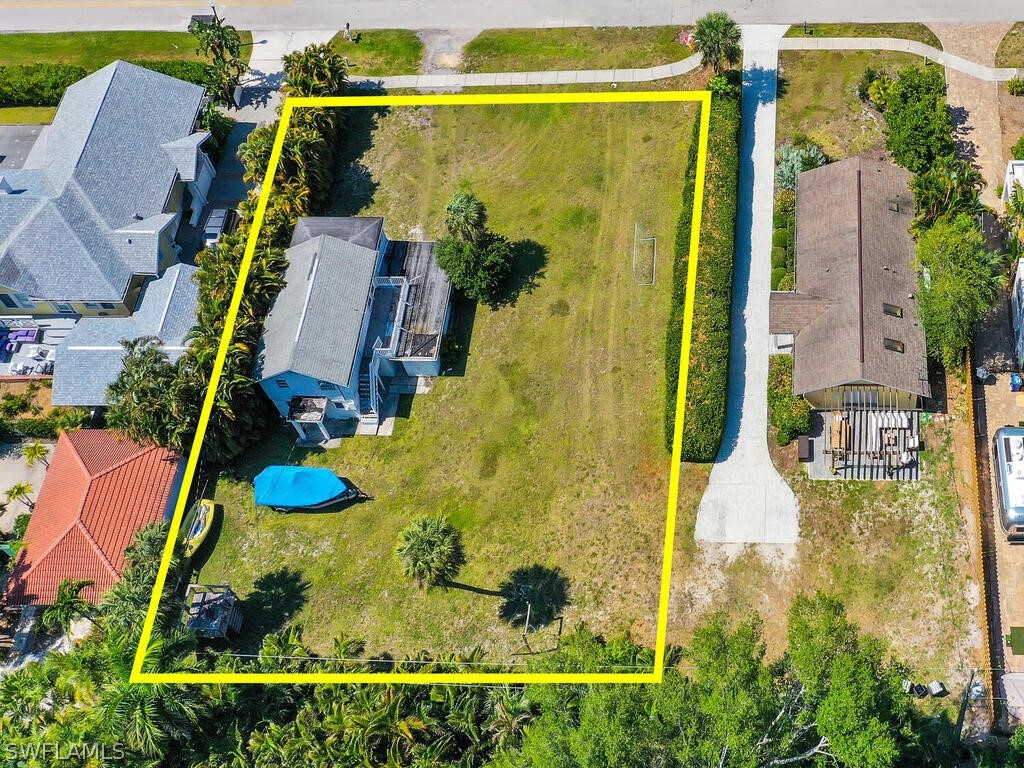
[{"x": 138, "y": 675}]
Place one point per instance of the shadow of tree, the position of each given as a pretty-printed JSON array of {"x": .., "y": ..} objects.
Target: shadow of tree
[
  {"x": 528, "y": 261},
  {"x": 273, "y": 602},
  {"x": 541, "y": 590},
  {"x": 354, "y": 187}
]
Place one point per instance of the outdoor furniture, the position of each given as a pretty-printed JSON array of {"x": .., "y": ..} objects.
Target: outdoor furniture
[
  {"x": 805, "y": 450},
  {"x": 1016, "y": 641}
]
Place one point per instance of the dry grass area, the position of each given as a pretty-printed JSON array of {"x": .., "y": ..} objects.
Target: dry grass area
[
  {"x": 547, "y": 450},
  {"x": 818, "y": 98},
  {"x": 900, "y": 555},
  {"x": 1011, "y": 49}
]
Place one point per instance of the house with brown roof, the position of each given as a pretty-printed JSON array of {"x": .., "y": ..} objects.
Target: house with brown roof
[
  {"x": 852, "y": 319},
  {"x": 100, "y": 489}
]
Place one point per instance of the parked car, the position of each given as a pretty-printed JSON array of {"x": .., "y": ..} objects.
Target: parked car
[
  {"x": 1008, "y": 470},
  {"x": 221, "y": 221}
]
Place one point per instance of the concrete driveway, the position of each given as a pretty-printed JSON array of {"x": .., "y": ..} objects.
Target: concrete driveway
[
  {"x": 15, "y": 143},
  {"x": 14, "y": 470},
  {"x": 746, "y": 500}
]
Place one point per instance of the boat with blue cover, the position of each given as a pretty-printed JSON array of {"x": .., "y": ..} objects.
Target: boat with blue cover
[{"x": 283, "y": 488}]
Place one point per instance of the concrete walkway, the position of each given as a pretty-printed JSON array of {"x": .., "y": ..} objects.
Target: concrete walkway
[
  {"x": 564, "y": 77},
  {"x": 975, "y": 106},
  {"x": 269, "y": 47},
  {"x": 978, "y": 70},
  {"x": 746, "y": 500}
]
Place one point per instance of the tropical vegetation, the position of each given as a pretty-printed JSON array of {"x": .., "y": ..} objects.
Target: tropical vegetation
[
  {"x": 717, "y": 39},
  {"x": 430, "y": 551},
  {"x": 476, "y": 260},
  {"x": 222, "y": 43},
  {"x": 790, "y": 414},
  {"x": 959, "y": 279},
  {"x": 791, "y": 160},
  {"x": 949, "y": 187}
]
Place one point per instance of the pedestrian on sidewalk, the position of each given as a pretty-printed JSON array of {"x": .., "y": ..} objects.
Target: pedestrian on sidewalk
[{"x": 348, "y": 31}]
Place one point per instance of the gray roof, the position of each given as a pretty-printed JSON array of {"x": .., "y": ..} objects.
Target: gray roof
[
  {"x": 90, "y": 357},
  {"x": 186, "y": 155},
  {"x": 360, "y": 230},
  {"x": 315, "y": 323},
  {"x": 853, "y": 254},
  {"x": 70, "y": 230}
]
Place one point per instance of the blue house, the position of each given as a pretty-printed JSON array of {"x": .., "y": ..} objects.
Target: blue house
[{"x": 359, "y": 320}]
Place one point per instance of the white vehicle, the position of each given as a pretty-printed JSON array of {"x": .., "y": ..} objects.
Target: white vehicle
[{"x": 220, "y": 222}]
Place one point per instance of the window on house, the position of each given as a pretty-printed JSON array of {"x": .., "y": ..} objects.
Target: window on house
[
  {"x": 327, "y": 386},
  {"x": 92, "y": 305},
  {"x": 7, "y": 301},
  {"x": 281, "y": 383},
  {"x": 65, "y": 308},
  {"x": 893, "y": 310},
  {"x": 24, "y": 302},
  {"x": 893, "y": 345},
  {"x": 108, "y": 305}
]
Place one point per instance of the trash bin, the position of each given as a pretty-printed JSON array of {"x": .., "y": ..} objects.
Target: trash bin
[
  {"x": 1016, "y": 382},
  {"x": 805, "y": 450}
]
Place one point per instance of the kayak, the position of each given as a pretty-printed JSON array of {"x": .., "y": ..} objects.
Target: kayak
[
  {"x": 284, "y": 488},
  {"x": 200, "y": 527}
]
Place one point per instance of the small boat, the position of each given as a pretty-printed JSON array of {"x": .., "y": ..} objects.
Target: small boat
[
  {"x": 285, "y": 488},
  {"x": 200, "y": 527}
]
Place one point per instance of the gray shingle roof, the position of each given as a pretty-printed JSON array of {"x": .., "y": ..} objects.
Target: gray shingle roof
[
  {"x": 104, "y": 170},
  {"x": 90, "y": 357},
  {"x": 853, "y": 250},
  {"x": 185, "y": 155},
  {"x": 315, "y": 324},
  {"x": 360, "y": 230}
]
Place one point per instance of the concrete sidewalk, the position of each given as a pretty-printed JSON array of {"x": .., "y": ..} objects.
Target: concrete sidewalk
[
  {"x": 948, "y": 60},
  {"x": 746, "y": 500},
  {"x": 270, "y": 46}
]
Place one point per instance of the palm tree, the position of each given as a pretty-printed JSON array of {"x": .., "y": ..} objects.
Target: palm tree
[
  {"x": 466, "y": 217},
  {"x": 317, "y": 70},
  {"x": 950, "y": 186},
  {"x": 430, "y": 551},
  {"x": 21, "y": 492},
  {"x": 68, "y": 605},
  {"x": 34, "y": 452},
  {"x": 717, "y": 38}
]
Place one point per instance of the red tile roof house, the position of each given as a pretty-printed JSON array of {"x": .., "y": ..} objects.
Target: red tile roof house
[{"x": 100, "y": 489}]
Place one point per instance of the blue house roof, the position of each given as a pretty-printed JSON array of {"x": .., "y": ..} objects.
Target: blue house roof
[{"x": 91, "y": 356}]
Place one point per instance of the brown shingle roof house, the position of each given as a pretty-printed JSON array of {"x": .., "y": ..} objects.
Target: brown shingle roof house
[
  {"x": 853, "y": 315},
  {"x": 100, "y": 489}
]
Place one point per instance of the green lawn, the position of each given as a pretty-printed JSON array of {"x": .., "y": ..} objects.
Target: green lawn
[
  {"x": 904, "y": 31},
  {"x": 26, "y": 115},
  {"x": 530, "y": 50},
  {"x": 818, "y": 97},
  {"x": 548, "y": 450},
  {"x": 93, "y": 50},
  {"x": 381, "y": 52},
  {"x": 1011, "y": 49}
]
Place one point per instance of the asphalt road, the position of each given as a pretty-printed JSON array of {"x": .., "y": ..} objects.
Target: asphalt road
[{"x": 49, "y": 15}]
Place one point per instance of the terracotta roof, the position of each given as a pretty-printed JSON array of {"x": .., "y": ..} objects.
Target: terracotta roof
[
  {"x": 99, "y": 490},
  {"x": 854, "y": 251}
]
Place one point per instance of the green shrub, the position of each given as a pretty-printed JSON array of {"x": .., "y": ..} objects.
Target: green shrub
[
  {"x": 1018, "y": 149},
  {"x": 776, "y": 275},
  {"x": 20, "y": 526},
  {"x": 190, "y": 71},
  {"x": 869, "y": 76},
  {"x": 918, "y": 128},
  {"x": 788, "y": 282},
  {"x": 794, "y": 160},
  {"x": 1016, "y": 86},
  {"x": 781, "y": 238},
  {"x": 780, "y": 257},
  {"x": 708, "y": 372},
  {"x": 785, "y": 205},
  {"x": 789, "y": 413},
  {"x": 36, "y": 85}
]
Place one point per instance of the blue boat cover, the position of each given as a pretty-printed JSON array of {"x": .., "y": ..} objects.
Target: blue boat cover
[{"x": 297, "y": 486}]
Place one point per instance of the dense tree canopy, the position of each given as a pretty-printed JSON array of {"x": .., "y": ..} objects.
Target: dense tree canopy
[
  {"x": 960, "y": 278},
  {"x": 918, "y": 126}
]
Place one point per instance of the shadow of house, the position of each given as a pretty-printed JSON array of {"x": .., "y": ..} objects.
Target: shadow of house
[{"x": 537, "y": 593}]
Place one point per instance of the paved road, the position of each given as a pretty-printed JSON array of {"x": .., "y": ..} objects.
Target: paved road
[
  {"x": 747, "y": 501},
  {"x": 45, "y": 15}
]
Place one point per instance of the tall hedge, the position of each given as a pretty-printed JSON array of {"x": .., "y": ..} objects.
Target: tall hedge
[
  {"x": 36, "y": 85},
  {"x": 707, "y": 379},
  {"x": 195, "y": 72}
]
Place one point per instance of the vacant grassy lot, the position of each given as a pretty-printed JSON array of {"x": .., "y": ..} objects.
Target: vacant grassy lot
[
  {"x": 547, "y": 450},
  {"x": 26, "y": 115},
  {"x": 818, "y": 97},
  {"x": 519, "y": 50},
  {"x": 381, "y": 52},
  {"x": 1011, "y": 50},
  {"x": 94, "y": 50},
  {"x": 904, "y": 31}
]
